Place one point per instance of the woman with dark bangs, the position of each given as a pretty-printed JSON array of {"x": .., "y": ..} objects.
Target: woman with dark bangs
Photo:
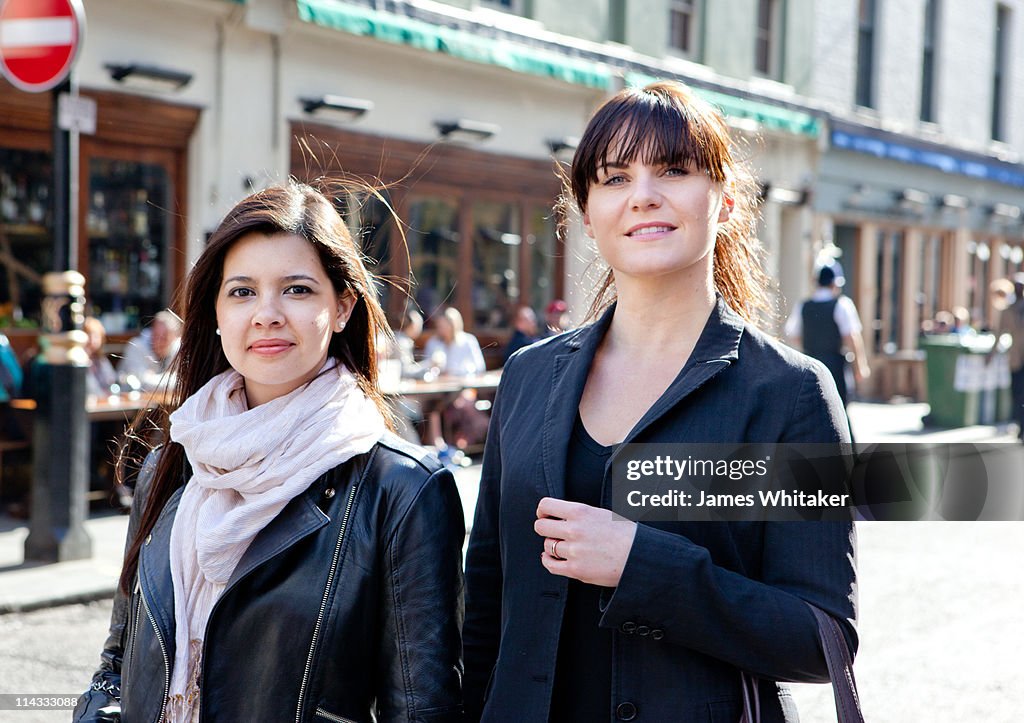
[{"x": 573, "y": 614}]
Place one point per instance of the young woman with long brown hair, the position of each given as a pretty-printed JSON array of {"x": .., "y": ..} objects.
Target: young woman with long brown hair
[
  {"x": 289, "y": 558},
  {"x": 573, "y": 614}
]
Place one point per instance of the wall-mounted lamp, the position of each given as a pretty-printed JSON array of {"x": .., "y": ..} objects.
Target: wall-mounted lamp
[
  {"x": 857, "y": 195},
  {"x": 563, "y": 148},
  {"x": 783, "y": 196},
  {"x": 954, "y": 201},
  {"x": 150, "y": 76},
  {"x": 336, "y": 106},
  {"x": 466, "y": 131},
  {"x": 745, "y": 125},
  {"x": 1004, "y": 212},
  {"x": 912, "y": 200}
]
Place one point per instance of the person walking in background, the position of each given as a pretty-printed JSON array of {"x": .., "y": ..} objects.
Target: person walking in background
[
  {"x": 288, "y": 558},
  {"x": 573, "y": 613},
  {"x": 826, "y": 323},
  {"x": 1011, "y": 322},
  {"x": 148, "y": 356}
]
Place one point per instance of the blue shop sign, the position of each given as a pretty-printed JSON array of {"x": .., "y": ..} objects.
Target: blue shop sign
[{"x": 997, "y": 172}]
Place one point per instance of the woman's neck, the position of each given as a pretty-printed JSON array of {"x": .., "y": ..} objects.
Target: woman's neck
[{"x": 660, "y": 316}]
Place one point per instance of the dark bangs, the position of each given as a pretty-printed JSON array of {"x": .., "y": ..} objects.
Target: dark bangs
[{"x": 659, "y": 123}]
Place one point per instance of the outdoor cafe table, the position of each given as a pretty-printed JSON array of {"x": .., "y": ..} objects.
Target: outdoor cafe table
[
  {"x": 441, "y": 388},
  {"x": 112, "y": 408},
  {"x": 435, "y": 395}
]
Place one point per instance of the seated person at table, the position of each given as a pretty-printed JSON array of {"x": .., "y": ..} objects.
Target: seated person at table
[
  {"x": 10, "y": 387},
  {"x": 405, "y": 345},
  {"x": 455, "y": 352},
  {"x": 526, "y": 331},
  {"x": 10, "y": 371},
  {"x": 556, "y": 317},
  {"x": 148, "y": 356},
  {"x": 102, "y": 377}
]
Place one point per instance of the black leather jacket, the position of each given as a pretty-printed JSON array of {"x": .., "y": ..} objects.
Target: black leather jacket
[{"x": 346, "y": 607}]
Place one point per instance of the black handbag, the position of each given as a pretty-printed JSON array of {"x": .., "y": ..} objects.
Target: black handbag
[{"x": 840, "y": 670}]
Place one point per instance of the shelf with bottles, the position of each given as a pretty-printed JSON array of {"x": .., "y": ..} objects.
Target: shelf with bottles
[
  {"x": 28, "y": 231},
  {"x": 25, "y": 192},
  {"x": 26, "y": 241}
]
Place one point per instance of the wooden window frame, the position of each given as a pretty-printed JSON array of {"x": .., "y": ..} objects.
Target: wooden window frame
[{"x": 417, "y": 170}]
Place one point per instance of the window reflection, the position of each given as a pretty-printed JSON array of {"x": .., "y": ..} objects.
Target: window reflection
[
  {"x": 496, "y": 242},
  {"x": 542, "y": 256},
  {"x": 26, "y": 241},
  {"x": 370, "y": 221},
  {"x": 433, "y": 251},
  {"x": 128, "y": 223}
]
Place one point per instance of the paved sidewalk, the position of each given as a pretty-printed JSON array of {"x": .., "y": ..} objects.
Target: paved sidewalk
[{"x": 25, "y": 587}]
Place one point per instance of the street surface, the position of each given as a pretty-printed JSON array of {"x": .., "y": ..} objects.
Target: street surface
[{"x": 940, "y": 624}]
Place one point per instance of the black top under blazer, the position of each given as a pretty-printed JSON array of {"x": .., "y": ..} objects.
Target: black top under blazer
[{"x": 721, "y": 596}]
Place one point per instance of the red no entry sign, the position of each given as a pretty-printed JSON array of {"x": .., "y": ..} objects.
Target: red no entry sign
[{"x": 39, "y": 40}]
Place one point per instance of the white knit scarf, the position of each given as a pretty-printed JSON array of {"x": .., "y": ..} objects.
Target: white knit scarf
[{"x": 247, "y": 464}]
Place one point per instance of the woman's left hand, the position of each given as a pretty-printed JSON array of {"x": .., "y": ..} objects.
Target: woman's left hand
[{"x": 592, "y": 542}]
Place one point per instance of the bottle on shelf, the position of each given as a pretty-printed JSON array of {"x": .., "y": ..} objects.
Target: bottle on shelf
[
  {"x": 140, "y": 213},
  {"x": 8, "y": 204},
  {"x": 38, "y": 202}
]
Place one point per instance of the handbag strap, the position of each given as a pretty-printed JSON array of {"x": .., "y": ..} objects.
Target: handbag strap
[
  {"x": 840, "y": 670},
  {"x": 751, "y": 699},
  {"x": 840, "y": 667}
]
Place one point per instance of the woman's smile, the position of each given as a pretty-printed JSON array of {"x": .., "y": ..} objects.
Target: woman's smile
[
  {"x": 270, "y": 347},
  {"x": 650, "y": 231}
]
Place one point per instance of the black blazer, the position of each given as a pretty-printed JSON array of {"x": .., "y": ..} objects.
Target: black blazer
[{"x": 697, "y": 602}]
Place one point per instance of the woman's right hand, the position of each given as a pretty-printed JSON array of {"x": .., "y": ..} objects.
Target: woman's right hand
[{"x": 593, "y": 543}]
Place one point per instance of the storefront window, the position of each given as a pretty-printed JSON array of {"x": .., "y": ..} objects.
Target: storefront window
[
  {"x": 371, "y": 219},
  {"x": 127, "y": 222},
  {"x": 26, "y": 240},
  {"x": 930, "y": 291},
  {"x": 433, "y": 240},
  {"x": 496, "y": 242},
  {"x": 980, "y": 254},
  {"x": 542, "y": 256},
  {"x": 889, "y": 272}
]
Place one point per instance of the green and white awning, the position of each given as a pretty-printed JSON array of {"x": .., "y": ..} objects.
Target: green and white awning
[
  {"x": 768, "y": 116},
  {"x": 455, "y": 42},
  {"x": 465, "y": 45}
]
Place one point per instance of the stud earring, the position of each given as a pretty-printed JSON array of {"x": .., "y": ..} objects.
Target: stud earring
[
  {"x": 218, "y": 332},
  {"x": 341, "y": 326}
]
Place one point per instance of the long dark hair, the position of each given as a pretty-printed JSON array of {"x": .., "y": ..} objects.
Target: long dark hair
[
  {"x": 289, "y": 209},
  {"x": 664, "y": 122}
]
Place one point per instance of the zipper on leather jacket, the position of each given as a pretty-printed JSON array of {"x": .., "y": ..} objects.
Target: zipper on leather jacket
[
  {"x": 133, "y": 632},
  {"x": 321, "y": 713},
  {"x": 163, "y": 652},
  {"x": 323, "y": 603}
]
